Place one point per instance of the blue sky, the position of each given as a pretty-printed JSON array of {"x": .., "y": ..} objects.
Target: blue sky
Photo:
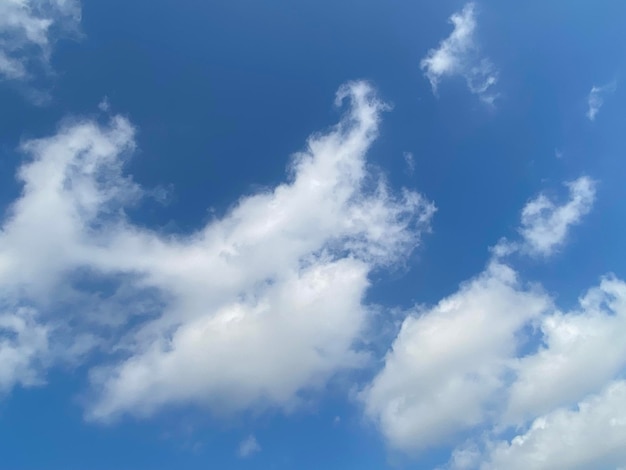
[{"x": 331, "y": 235}]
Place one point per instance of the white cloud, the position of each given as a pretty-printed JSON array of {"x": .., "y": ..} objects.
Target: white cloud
[
  {"x": 28, "y": 29},
  {"x": 458, "y": 369},
  {"x": 498, "y": 355},
  {"x": 582, "y": 350},
  {"x": 460, "y": 55},
  {"x": 589, "y": 437},
  {"x": 595, "y": 100},
  {"x": 545, "y": 223},
  {"x": 448, "y": 364},
  {"x": 248, "y": 447},
  {"x": 23, "y": 348},
  {"x": 251, "y": 310}
]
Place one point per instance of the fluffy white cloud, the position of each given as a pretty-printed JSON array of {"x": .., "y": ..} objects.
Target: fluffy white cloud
[
  {"x": 28, "y": 30},
  {"x": 545, "y": 223},
  {"x": 453, "y": 369},
  {"x": 460, "y": 55},
  {"x": 591, "y": 436},
  {"x": 252, "y": 309},
  {"x": 581, "y": 351},
  {"x": 248, "y": 447},
  {"x": 498, "y": 357},
  {"x": 595, "y": 100},
  {"x": 445, "y": 369},
  {"x": 45, "y": 235}
]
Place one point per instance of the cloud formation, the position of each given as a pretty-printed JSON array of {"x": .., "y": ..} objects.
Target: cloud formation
[
  {"x": 251, "y": 310},
  {"x": 499, "y": 357},
  {"x": 589, "y": 436},
  {"x": 28, "y": 30},
  {"x": 595, "y": 100},
  {"x": 459, "y": 55},
  {"x": 444, "y": 371},
  {"x": 545, "y": 223}
]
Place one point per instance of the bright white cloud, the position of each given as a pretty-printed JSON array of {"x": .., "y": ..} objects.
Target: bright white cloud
[
  {"x": 28, "y": 29},
  {"x": 595, "y": 100},
  {"x": 589, "y": 437},
  {"x": 248, "y": 447},
  {"x": 459, "y": 55},
  {"x": 448, "y": 364},
  {"x": 498, "y": 357},
  {"x": 582, "y": 351},
  {"x": 545, "y": 223},
  {"x": 454, "y": 370},
  {"x": 251, "y": 310}
]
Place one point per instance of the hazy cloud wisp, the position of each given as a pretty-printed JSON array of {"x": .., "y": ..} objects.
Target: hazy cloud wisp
[
  {"x": 459, "y": 55},
  {"x": 28, "y": 30}
]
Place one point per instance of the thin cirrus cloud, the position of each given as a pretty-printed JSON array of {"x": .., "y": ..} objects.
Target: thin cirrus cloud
[
  {"x": 460, "y": 55},
  {"x": 248, "y": 447},
  {"x": 595, "y": 99},
  {"x": 251, "y": 310},
  {"x": 28, "y": 30}
]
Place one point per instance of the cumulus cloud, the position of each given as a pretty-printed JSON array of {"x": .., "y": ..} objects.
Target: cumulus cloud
[
  {"x": 564, "y": 402},
  {"x": 499, "y": 358},
  {"x": 251, "y": 310},
  {"x": 444, "y": 371},
  {"x": 248, "y": 447},
  {"x": 28, "y": 30},
  {"x": 573, "y": 360},
  {"x": 595, "y": 100},
  {"x": 588, "y": 437},
  {"x": 459, "y": 55}
]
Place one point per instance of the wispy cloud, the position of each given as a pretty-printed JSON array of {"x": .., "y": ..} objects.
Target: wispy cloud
[
  {"x": 28, "y": 30},
  {"x": 409, "y": 159},
  {"x": 545, "y": 223},
  {"x": 248, "y": 311},
  {"x": 595, "y": 100},
  {"x": 460, "y": 55},
  {"x": 248, "y": 447},
  {"x": 23, "y": 348}
]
